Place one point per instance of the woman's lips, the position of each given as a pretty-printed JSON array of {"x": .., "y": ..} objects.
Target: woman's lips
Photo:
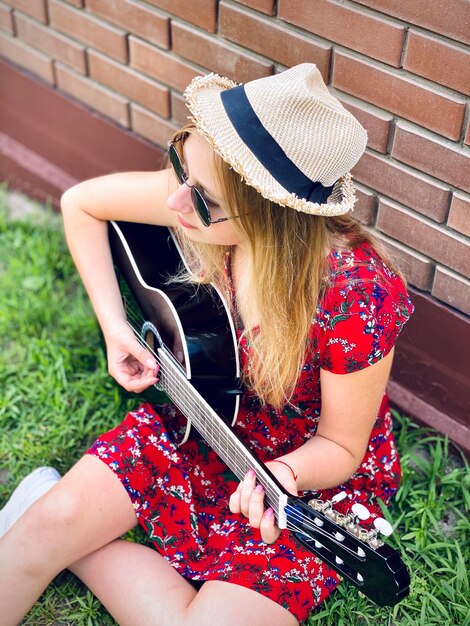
[{"x": 185, "y": 224}]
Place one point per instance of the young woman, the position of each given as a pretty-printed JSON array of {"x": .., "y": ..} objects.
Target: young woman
[{"x": 259, "y": 195}]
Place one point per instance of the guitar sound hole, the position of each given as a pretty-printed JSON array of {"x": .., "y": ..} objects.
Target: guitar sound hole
[
  {"x": 153, "y": 341},
  {"x": 150, "y": 340}
]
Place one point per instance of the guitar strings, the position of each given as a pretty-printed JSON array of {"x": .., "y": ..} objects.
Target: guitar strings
[
  {"x": 324, "y": 532},
  {"x": 305, "y": 519},
  {"x": 274, "y": 497},
  {"x": 241, "y": 468},
  {"x": 191, "y": 399},
  {"x": 193, "y": 404}
]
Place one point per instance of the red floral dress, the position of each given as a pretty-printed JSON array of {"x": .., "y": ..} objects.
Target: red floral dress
[{"x": 180, "y": 494}]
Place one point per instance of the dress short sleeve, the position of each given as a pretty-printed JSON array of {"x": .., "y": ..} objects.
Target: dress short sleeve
[{"x": 362, "y": 313}]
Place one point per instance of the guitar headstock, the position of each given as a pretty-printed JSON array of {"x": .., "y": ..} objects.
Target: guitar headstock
[{"x": 356, "y": 553}]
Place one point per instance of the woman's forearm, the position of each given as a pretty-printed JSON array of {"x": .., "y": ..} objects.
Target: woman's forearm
[
  {"x": 87, "y": 238},
  {"x": 87, "y": 207},
  {"x": 350, "y": 405},
  {"x": 321, "y": 463}
]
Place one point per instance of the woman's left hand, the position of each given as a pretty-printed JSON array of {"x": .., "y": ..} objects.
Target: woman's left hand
[{"x": 248, "y": 499}]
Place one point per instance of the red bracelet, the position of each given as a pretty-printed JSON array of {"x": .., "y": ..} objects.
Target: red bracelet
[{"x": 287, "y": 465}]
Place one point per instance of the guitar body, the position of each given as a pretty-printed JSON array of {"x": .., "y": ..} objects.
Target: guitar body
[
  {"x": 192, "y": 322},
  {"x": 191, "y": 334}
]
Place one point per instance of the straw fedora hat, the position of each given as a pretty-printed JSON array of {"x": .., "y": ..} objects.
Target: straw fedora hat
[{"x": 286, "y": 136}]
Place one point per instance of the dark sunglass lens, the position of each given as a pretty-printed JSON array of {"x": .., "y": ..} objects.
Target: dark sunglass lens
[
  {"x": 198, "y": 201},
  {"x": 177, "y": 165},
  {"x": 200, "y": 206}
]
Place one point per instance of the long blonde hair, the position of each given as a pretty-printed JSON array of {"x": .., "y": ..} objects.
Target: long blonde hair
[{"x": 288, "y": 260}]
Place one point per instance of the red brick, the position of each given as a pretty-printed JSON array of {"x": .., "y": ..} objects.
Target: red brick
[
  {"x": 217, "y": 56},
  {"x": 416, "y": 268},
  {"x": 136, "y": 18},
  {"x": 96, "y": 96},
  {"x": 438, "y": 61},
  {"x": 351, "y": 27},
  {"x": 459, "y": 215},
  {"x": 438, "y": 158},
  {"x": 266, "y": 6},
  {"x": 365, "y": 207},
  {"x": 179, "y": 110},
  {"x": 199, "y": 12},
  {"x": 422, "y": 235},
  {"x": 467, "y": 134},
  {"x": 399, "y": 94},
  {"x": 35, "y": 8},
  {"x": 29, "y": 58},
  {"x": 88, "y": 29},
  {"x": 377, "y": 123},
  {"x": 152, "y": 127},
  {"x": 402, "y": 184},
  {"x": 51, "y": 42},
  {"x": 452, "y": 289},
  {"x": 447, "y": 17},
  {"x": 129, "y": 83},
  {"x": 160, "y": 65},
  {"x": 278, "y": 43},
  {"x": 6, "y": 18}
]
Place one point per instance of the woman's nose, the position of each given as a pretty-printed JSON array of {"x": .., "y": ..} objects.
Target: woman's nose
[{"x": 180, "y": 200}]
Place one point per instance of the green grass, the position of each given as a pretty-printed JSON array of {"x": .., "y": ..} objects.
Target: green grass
[{"x": 56, "y": 396}]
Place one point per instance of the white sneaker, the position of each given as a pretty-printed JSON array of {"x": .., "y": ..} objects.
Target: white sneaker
[{"x": 28, "y": 491}]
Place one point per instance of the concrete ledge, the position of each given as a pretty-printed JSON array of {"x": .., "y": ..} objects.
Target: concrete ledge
[
  {"x": 408, "y": 403},
  {"x": 31, "y": 173},
  {"x": 50, "y": 140}
]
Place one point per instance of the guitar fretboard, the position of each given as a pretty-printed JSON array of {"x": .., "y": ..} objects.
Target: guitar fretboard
[{"x": 216, "y": 432}]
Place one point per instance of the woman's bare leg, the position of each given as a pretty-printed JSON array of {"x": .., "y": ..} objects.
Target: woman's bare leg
[
  {"x": 76, "y": 525},
  {"x": 140, "y": 588},
  {"x": 85, "y": 510},
  {"x": 135, "y": 584}
]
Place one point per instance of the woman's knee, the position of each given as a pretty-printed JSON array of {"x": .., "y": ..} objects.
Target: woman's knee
[
  {"x": 44, "y": 535},
  {"x": 58, "y": 510},
  {"x": 52, "y": 519},
  {"x": 85, "y": 510}
]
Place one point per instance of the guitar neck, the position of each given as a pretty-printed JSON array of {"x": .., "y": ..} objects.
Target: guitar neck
[{"x": 217, "y": 433}]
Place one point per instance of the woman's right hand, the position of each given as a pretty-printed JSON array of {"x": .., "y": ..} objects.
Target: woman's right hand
[{"x": 129, "y": 363}]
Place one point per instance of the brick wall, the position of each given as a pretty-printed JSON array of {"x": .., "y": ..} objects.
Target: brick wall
[{"x": 403, "y": 68}]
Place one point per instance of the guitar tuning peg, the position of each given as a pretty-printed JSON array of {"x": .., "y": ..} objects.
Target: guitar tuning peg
[
  {"x": 384, "y": 527},
  {"x": 339, "y": 496},
  {"x": 361, "y": 511}
]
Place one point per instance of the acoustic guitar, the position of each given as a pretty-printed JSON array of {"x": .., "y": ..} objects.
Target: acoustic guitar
[{"x": 190, "y": 332}]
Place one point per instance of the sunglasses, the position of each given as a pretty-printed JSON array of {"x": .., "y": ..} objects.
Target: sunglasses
[{"x": 199, "y": 202}]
